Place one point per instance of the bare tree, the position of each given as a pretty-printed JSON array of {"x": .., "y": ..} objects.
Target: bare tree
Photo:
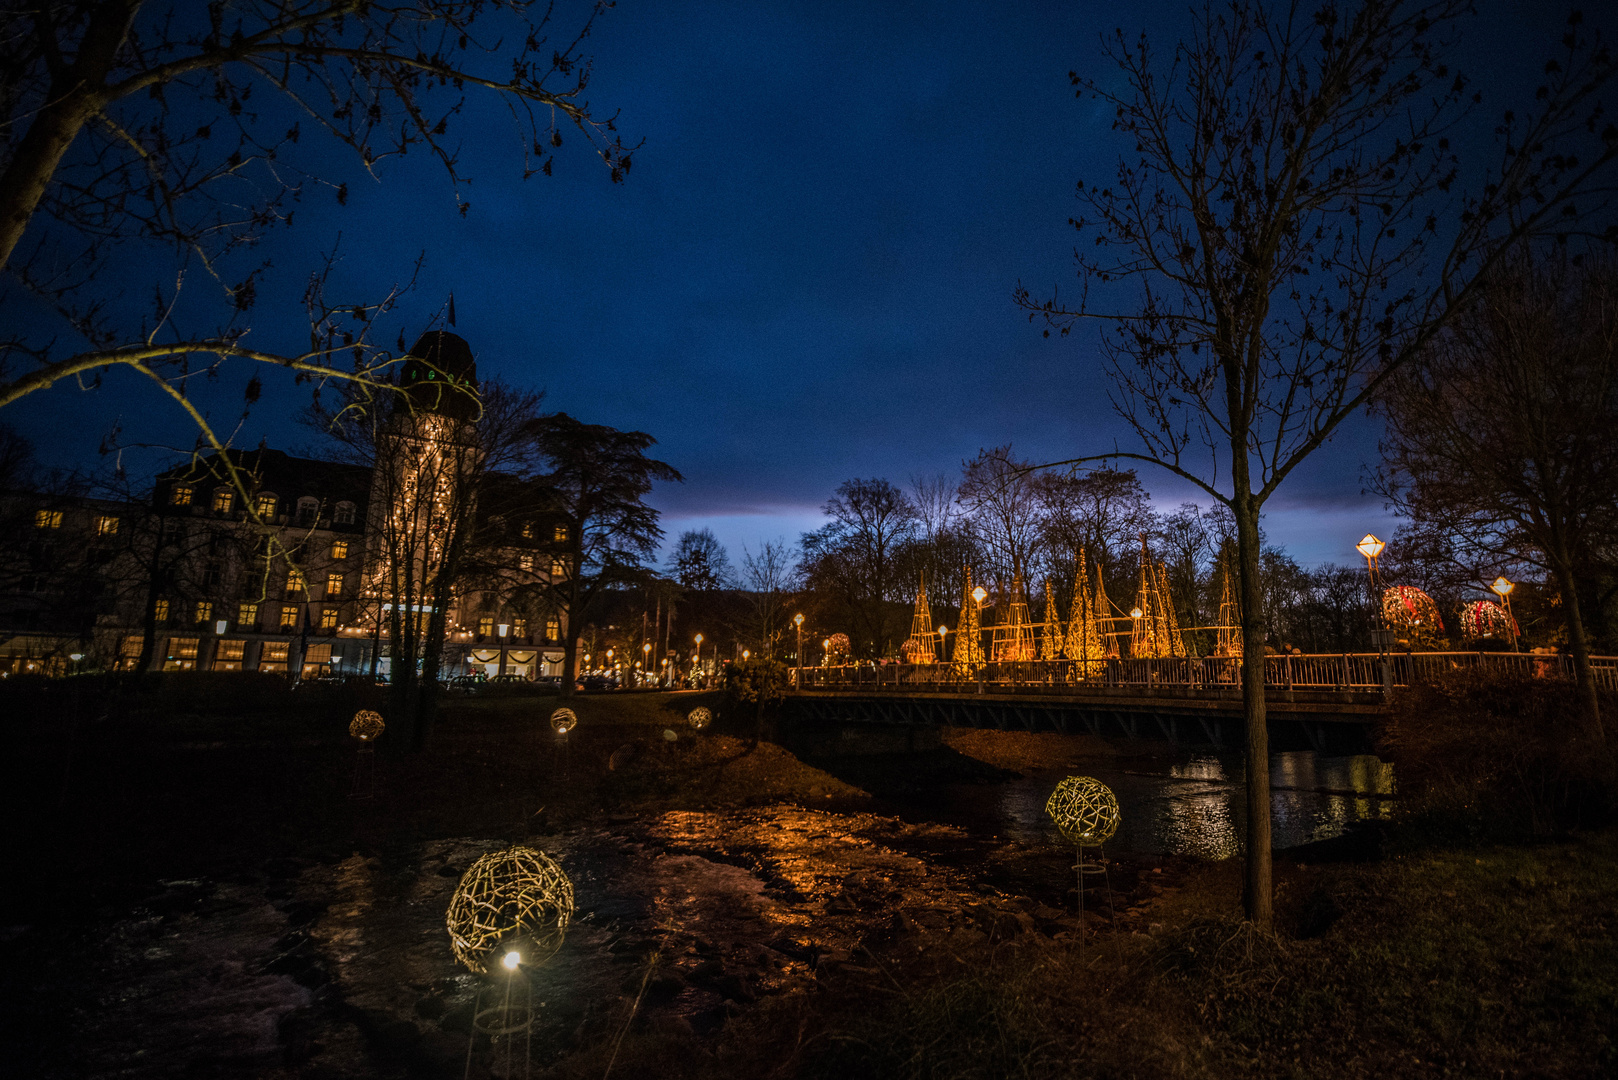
[
  {"x": 1001, "y": 500},
  {"x": 1505, "y": 439},
  {"x": 767, "y": 582},
  {"x": 853, "y": 560},
  {"x": 1288, "y": 234},
  {"x": 159, "y": 146}
]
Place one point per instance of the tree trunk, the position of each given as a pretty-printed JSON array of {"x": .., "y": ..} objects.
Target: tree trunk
[
  {"x": 76, "y": 95},
  {"x": 1256, "y": 885},
  {"x": 1579, "y": 645}
]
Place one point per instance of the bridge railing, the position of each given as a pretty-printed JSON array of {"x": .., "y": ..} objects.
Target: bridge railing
[{"x": 1317, "y": 671}]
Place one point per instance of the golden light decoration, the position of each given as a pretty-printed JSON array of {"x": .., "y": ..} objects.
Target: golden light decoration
[
  {"x": 517, "y": 901},
  {"x": 1483, "y": 619},
  {"x": 564, "y": 720},
  {"x": 699, "y": 717},
  {"x": 1085, "y": 811},
  {"x": 1413, "y": 615},
  {"x": 366, "y": 725}
]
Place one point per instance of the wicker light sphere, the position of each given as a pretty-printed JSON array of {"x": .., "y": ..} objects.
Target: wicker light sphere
[
  {"x": 1085, "y": 810},
  {"x": 699, "y": 717},
  {"x": 564, "y": 720},
  {"x": 512, "y": 901},
  {"x": 366, "y": 725}
]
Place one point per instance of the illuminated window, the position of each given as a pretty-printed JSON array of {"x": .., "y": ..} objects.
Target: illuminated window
[
  {"x": 557, "y": 569},
  {"x": 182, "y": 648},
  {"x": 328, "y": 619},
  {"x": 294, "y": 581},
  {"x": 106, "y": 525},
  {"x": 343, "y": 514},
  {"x": 525, "y": 563},
  {"x": 247, "y": 614},
  {"x": 334, "y": 584},
  {"x": 274, "y": 652},
  {"x": 289, "y": 619},
  {"x": 180, "y": 495},
  {"x": 519, "y": 627},
  {"x": 528, "y": 530},
  {"x": 204, "y": 611},
  {"x": 264, "y": 505},
  {"x": 47, "y": 519},
  {"x": 339, "y": 550},
  {"x": 486, "y": 624},
  {"x": 230, "y": 650},
  {"x": 560, "y": 535},
  {"x": 223, "y": 500},
  {"x": 161, "y": 610},
  {"x": 553, "y": 629}
]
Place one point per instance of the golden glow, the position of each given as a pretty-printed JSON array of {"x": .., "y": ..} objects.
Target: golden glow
[
  {"x": 798, "y": 620},
  {"x": 979, "y": 594},
  {"x": 1502, "y": 587},
  {"x": 1370, "y": 546},
  {"x": 511, "y": 960}
]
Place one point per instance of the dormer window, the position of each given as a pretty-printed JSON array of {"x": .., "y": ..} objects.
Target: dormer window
[
  {"x": 528, "y": 530},
  {"x": 343, "y": 514},
  {"x": 265, "y": 504},
  {"x": 180, "y": 495},
  {"x": 559, "y": 535},
  {"x": 223, "y": 500},
  {"x": 308, "y": 510}
]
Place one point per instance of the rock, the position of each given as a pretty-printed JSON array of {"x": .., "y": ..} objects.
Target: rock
[
  {"x": 735, "y": 987},
  {"x": 623, "y": 756}
]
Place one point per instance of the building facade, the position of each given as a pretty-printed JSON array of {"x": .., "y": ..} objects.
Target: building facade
[{"x": 262, "y": 561}]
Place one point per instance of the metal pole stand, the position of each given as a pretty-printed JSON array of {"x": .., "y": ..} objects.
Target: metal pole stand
[
  {"x": 364, "y": 786},
  {"x": 508, "y": 1024},
  {"x": 1087, "y": 869}
]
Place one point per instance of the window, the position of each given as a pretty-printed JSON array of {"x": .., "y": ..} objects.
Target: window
[
  {"x": 328, "y": 619},
  {"x": 223, "y": 500},
  {"x": 212, "y": 575},
  {"x": 183, "y": 648},
  {"x": 161, "y": 610},
  {"x": 47, "y": 519},
  {"x": 308, "y": 510},
  {"x": 557, "y": 568},
  {"x": 289, "y": 619},
  {"x": 334, "y": 585},
  {"x": 528, "y": 530},
  {"x": 180, "y": 495},
  {"x": 294, "y": 581},
  {"x": 553, "y": 629},
  {"x": 560, "y": 535},
  {"x": 344, "y": 514},
  {"x": 519, "y": 627},
  {"x": 204, "y": 611},
  {"x": 230, "y": 650},
  {"x": 247, "y": 614},
  {"x": 486, "y": 625},
  {"x": 273, "y": 656},
  {"x": 525, "y": 563},
  {"x": 265, "y": 504},
  {"x": 339, "y": 550},
  {"x": 106, "y": 525}
]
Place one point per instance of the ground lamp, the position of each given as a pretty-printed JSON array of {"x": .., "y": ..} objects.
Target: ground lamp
[
  {"x": 1502, "y": 588},
  {"x": 1086, "y": 814},
  {"x": 699, "y": 718},
  {"x": 366, "y": 727},
  {"x": 563, "y": 720},
  {"x": 509, "y": 914}
]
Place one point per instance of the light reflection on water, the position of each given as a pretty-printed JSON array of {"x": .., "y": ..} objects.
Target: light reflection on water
[{"x": 1193, "y": 805}]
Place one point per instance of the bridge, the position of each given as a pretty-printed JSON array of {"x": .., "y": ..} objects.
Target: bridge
[{"x": 1327, "y": 703}]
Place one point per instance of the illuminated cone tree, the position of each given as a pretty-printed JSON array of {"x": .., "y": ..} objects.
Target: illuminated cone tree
[{"x": 968, "y": 657}]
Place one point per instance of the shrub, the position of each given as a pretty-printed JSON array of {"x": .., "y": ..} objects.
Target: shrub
[{"x": 1502, "y": 752}]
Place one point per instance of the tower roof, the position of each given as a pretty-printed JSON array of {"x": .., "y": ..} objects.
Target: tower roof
[{"x": 441, "y": 374}]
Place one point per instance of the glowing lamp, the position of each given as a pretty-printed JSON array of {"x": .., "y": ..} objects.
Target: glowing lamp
[
  {"x": 511, "y": 960},
  {"x": 1502, "y": 587},
  {"x": 1136, "y": 613},
  {"x": 503, "y": 627},
  {"x": 220, "y": 626},
  {"x": 699, "y": 641},
  {"x": 979, "y": 594},
  {"x": 564, "y": 720},
  {"x": 942, "y": 630},
  {"x": 75, "y": 657},
  {"x": 366, "y": 725},
  {"x": 746, "y": 653},
  {"x": 699, "y": 717},
  {"x": 1085, "y": 811},
  {"x": 797, "y": 620},
  {"x": 1370, "y": 546},
  {"x": 507, "y": 898}
]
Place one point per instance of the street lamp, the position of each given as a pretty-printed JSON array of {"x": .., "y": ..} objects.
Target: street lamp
[
  {"x": 1371, "y": 547},
  {"x": 979, "y": 594},
  {"x": 797, "y": 676},
  {"x": 1136, "y": 613},
  {"x": 699, "y": 654},
  {"x": 1502, "y": 588},
  {"x": 646, "y": 654},
  {"x": 825, "y": 653},
  {"x": 942, "y": 630},
  {"x": 746, "y": 653}
]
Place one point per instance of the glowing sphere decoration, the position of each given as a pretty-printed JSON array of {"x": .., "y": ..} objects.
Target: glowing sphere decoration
[
  {"x": 1085, "y": 811},
  {"x": 564, "y": 720},
  {"x": 366, "y": 725},
  {"x": 1484, "y": 619},
  {"x": 511, "y": 909},
  {"x": 699, "y": 717}
]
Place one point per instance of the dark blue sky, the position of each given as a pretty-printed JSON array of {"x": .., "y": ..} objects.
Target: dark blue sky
[{"x": 807, "y": 276}]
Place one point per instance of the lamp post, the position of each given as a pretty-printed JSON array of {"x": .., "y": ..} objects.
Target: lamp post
[
  {"x": 942, "y": 630},
  {"x": 646, "y": 658},
  {"x": 1502, "y": 588},
  {"x": 1371, "y": 547},
  {"x": 797, "y": 674},
  {"x": 699, "y": 655},
  {"x": 825, "y": 653}
]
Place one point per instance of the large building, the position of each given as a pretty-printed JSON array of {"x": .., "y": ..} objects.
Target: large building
[{"x": 260, "y": 561}]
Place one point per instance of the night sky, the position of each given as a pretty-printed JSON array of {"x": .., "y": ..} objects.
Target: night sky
[{"x": 807, "y": 276}]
